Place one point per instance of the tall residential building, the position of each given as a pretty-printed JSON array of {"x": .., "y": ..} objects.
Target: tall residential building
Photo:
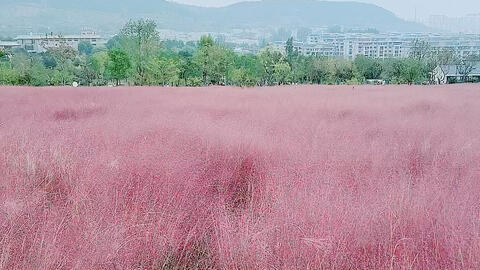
[{"x": 390, "y": 45}]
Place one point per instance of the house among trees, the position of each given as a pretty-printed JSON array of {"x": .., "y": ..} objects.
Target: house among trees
[{"x": 460, "y": 73}]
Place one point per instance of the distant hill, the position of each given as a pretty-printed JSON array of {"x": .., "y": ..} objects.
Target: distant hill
[{"x": 109, "y": 15}]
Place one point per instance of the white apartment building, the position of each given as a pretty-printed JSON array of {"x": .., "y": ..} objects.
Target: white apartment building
[
  {"x": 41, "y": 43},
  {"x": 349, "y": 46},
  {"x": 391, "y": 45}
]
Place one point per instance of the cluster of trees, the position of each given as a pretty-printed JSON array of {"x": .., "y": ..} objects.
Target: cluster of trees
[
  {"x": 57, "y": 66},
  {"x": 137, "y": 56}
]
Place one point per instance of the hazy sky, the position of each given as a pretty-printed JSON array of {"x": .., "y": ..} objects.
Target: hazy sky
[{"x": 403, "y": 8}]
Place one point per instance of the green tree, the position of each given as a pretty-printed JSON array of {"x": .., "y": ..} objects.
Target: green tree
[
  {"x": 319, "y": 70},
  {"x": 85, "y": 48},
  {"x": 246, "y": 71},
  {"x": 98, "y": 62},
  {"x": 205, "y": 42},
  {"x": 413, "y": 71},
  {"x": 65, "y": 56},
  {"x": 8, "y": 75},
  {"x": 243, "y": 77},
  {"x": 29, "y": 70},
  {"x": 392, "y": 70},
  {"x": 49, "y": 60},
  {"x": 301, "y": 71},
  {"x": 166, "y": 71},
  {"x": 214, "y": 62},
  {"x": 283, "y": 73},
  {"x": 85, "y": 71},
  {"x": 340, "y": 71},
  {"x": 190, "y": 74},
  {"x": 40, "y": 76},
  {"x": 141, "y": 41},
  {"x": 367, "y": 68},
  {"x": 118, "y": 65},
  {"x": 203, "y": 55},
  {"x": 289, "y": 47},
  {"x": 269, "y": 59},
  {"x": 116, "y": 42}
]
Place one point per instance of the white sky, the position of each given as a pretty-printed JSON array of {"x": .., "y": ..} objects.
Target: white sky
[{"x": 403, "y": 8}]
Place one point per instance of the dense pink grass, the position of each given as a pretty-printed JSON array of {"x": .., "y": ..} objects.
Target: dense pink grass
[{"x": 220, "y": 178}]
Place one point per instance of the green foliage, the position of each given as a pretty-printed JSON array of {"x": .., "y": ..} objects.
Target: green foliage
[
  {"x": 245, "y": 72},
  {"x": 28, "y": 70},
  {"x": 194, "y": 82},
  {"x": 243, "y": 77},
  {"x": 214, "y": 62},
  {"x": 283, "y": 73},
  {"x": 413, "y": 72},
  {"x": 166, "y": 72},
  {"x": 118, "y": 65},
  {"x": 405, "y": 71},
  {"x": 116, "y": 42},
  {"x": 141, "y": 42},
  {"x": 85, "y": 48},
  {"x": 318, "y": 71},
  {"x": 269, "y": 59},
  {"x": 8, "y": 76},
  {"x": 136, "y": 55},
  {"x": 289, "y": 47},
  {"x": 178, "y": 46},
  {"x": 49, "y": 60},
  {"x": 39, "y": 74},
  {"x": 98, "y": 63},
  {"x": 340, "y": 71},
  {"x": 367, "y": 68},
  {"x": 63, "y": 53},
  {"x": 392, "y": 70}
]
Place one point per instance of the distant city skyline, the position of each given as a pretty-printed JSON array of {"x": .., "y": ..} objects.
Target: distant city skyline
[{"x": 412, "y": 10}]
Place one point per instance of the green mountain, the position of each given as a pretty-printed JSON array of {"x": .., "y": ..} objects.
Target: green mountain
[{"x": 108, "y": 15}]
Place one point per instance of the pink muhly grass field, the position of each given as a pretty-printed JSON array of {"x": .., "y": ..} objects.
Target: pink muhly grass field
[{"x": 221, "y": 178}]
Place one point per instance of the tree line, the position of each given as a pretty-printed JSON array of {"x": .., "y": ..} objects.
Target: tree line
[{"x": 137, "y": 56}]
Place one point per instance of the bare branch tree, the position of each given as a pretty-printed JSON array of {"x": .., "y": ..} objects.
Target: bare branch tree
[
  {"x": 465, "y": 65},
  {"x": 419, "y": 49},
  {"x": 440, "y": 59}
]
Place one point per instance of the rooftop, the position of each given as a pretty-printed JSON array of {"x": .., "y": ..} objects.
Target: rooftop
[
  {"x": 9, "y": 43},
  {"x": 47, "y": 36}
]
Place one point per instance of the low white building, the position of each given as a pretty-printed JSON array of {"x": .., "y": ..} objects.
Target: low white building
[
  {"x": 8, "y": 45},
  {"x": 41, "y": 43}
]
